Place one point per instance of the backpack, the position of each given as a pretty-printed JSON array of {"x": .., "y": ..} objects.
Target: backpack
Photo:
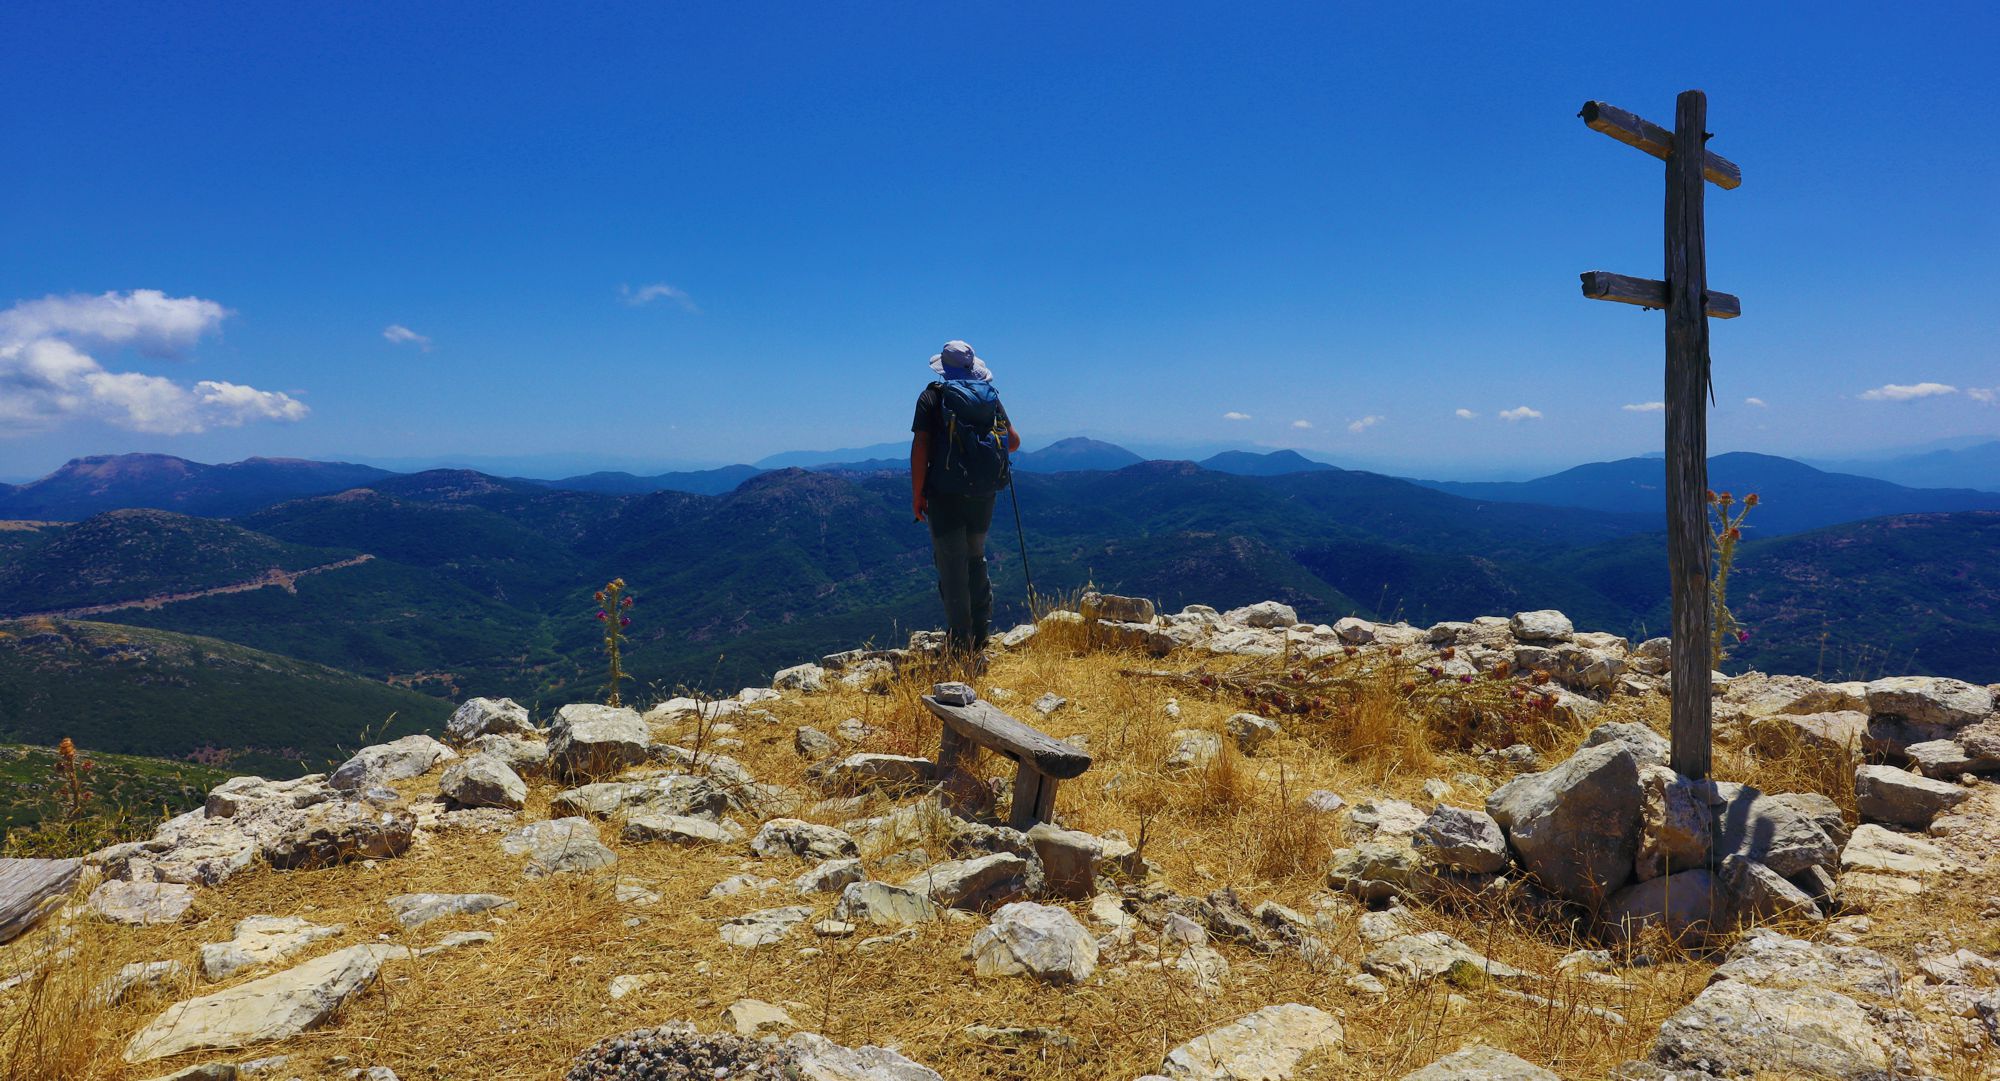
[{"x": 973, "y": 460}]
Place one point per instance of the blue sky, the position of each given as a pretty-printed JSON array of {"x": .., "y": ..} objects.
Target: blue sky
[{"x": 1146, "y": 217}]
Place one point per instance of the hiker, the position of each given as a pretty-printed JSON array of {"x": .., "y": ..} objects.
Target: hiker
[{"x": 958, "y": 462}]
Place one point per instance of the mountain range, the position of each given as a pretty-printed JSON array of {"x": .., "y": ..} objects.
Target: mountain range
[{"x": 450, "y": 583}]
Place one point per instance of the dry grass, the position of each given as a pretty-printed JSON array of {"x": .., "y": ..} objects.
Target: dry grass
[{"x": 521, "y": 1007}]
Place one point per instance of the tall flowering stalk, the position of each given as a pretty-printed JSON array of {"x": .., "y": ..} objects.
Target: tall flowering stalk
[
  {"x": 1728, "y": 533},
  {"x": 69, "y": 773},
  {"x": 612, "y": 604}
]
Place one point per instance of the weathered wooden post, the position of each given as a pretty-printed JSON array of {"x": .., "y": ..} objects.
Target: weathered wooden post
[{"x": 1688, "y": 303}]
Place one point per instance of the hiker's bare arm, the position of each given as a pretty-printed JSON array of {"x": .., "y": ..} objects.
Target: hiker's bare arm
[
  {"x": 1013, "y": 439},
  {"x": 920, "y": 460}
]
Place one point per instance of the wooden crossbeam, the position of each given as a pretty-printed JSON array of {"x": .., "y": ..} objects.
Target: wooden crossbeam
[
  {"x": 1639, "y": 132},
  {"x": 1650, "y": 293},
  {"x": 27, "y": 890}
]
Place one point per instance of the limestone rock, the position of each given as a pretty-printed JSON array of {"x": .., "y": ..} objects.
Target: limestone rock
[
  {"x": 141, "y": 904},
  {"x": 1934, "y": 700},
  {"x": 1899, "y": 797},
  {"x": 1734, "y": 1028},
  {"x": 676, "y": 829},
  {"x": 1768, "y": 959},
  {"x": 1111, "y": 608},
  {"x": 831, "y": 876},
  {"x": 416, "y": 909},
  {"x": 876, "y": 773},
  {"x": 1462, "y": 839},
  {"x": 1824, "y": 813},
  {"x": 1546, "y": 625},
  {"x": 337, "y": 831},
  {"x": 1648, "y": 747},
  {"x": 805, "y": 840},
  {"x": 1069, "y": 860},
  {"x": 1575, "y": 827},
  {"x": 483, "y": 781},
  {"x": 812, "y": 744},
  {"x": 260, "y": 940},
  {"x": 1384, "y": 819},
  {"x": 1048, "y": 703},
  {"x": 1415, "y": 958},
  {"x": 754, "y": 1017},
  {"x": 1263, "y": 614},
  {"x": 398, "y": 760},
  {"x": 1684, "y": 904},
  {"x": 590, "y": 742},
  {"x": 669, "y": 793},
  {"x": 1874, "y": 849},
  {"x": 1373, "y": 872},
  {"x": 476, "y": 717},
  {"x": 884, "y": 905},
  {"x": 274, "y": 1007},
  {"x": 820, "y": 1059},
  {"x": 1037, "y": 940},
  {"x": 805, "y": 678},
  {"x": 1765, "y": 829},
  {"x": 1192, "y": 748},
  {"x": 1265, "y": 1045},
  {"x": 136, "y": 978},
  {"x": 1756, "y": 894},
  {"x": 1675, "y": 823},
  {"x": 1481, "y": 1063},
  {"x": 559, "y": 846},
  {"x": 1838, "y": 733},
  {"x": 764, "y": 927},
  {"x": 207, "y": 1071},
  {"x": 973, "y": 883},
  {"x": 516, "y": 752},
  {"x": 1251, "y": 731}
]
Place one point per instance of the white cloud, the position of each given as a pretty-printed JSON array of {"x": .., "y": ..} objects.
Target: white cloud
[
  {"x": 1644, "y": 407},
  {"x": 1465, "y": 414},
  {"x": 1364, "y": 423},
  {"x": 1899, "y": 392},
  {"x": 47, "y": 380},
  {"x": 646, "y": 294},
  {"x": 1302, "y": 424},
  {"x": 399, "y": 334},
  {"x": 1234, "y": 415},
  {"x": 1520, "y": 413},
  {"x": 1758, "y": 402},
  {"x": 1989, "y": 395},
  {"x": 145, "y": 319}
]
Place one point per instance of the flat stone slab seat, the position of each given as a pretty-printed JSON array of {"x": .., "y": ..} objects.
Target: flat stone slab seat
[
  {"x": 1042, "y": 760},
  {"x": 27, "y": 887}
]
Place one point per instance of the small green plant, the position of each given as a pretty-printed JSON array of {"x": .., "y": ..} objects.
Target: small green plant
[
  {"x": 1728, "y": 533},
  {"x": 612, "y": 604}
]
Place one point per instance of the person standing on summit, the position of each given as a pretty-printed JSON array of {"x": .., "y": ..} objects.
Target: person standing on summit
[{"x": 959, "y": 444}]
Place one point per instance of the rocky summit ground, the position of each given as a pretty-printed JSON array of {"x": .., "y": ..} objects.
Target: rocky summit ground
[{"x": 1351, "y": 851}]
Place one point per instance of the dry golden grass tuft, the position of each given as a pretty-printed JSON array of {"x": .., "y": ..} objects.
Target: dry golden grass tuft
[{"x": 521, "y": 1007}]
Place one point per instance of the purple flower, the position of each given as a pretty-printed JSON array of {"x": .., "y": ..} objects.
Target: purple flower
[
  {"x": 1743, "y": 636},
  {"x": 627, "y": 602},
  {"x": 625, "y": 621},
  {"x": 601, "y": 615}
]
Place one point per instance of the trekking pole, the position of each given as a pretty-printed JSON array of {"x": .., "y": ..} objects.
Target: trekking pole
[{"x": 1022, "y": 535}]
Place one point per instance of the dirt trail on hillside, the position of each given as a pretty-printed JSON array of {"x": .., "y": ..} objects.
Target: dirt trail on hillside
[{"x": 283, "y": 579}]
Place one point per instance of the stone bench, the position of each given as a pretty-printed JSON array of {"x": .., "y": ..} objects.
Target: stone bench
[{"x": 1042, "y": 761}]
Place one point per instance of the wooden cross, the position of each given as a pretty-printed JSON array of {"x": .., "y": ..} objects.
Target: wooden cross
[{"x": 1689, "y": 305}]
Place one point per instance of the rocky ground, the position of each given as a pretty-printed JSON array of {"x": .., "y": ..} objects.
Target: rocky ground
[{"x": 1356, "y": 851}]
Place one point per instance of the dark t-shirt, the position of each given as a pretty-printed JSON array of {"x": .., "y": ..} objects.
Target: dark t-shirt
[{"x": 930, "y": 418}]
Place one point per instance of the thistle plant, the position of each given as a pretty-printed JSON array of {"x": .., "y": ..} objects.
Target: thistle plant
[
  {"x": 612, "y": 604},
  {"x": 1728, "y": 533},
  {"x": 69, "y": 772}
]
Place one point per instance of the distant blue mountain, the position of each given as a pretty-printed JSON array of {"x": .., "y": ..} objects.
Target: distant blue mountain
[
  {"x": 1075, "y": 455},
  {"x": 809, "y": 458},
  {"x": 1794, "y": 496},
  {"x": 698, "y": 482},
  {"x": 1961, "y": 467},
  {"x": 1251, "y": 464}
]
